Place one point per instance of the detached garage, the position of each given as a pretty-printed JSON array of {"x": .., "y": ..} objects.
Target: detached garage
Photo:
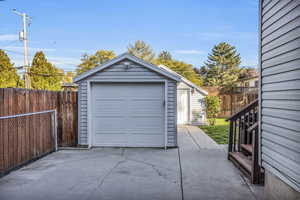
[
  {"x": 127, "y": 102},
  {"x": 190, "y": 101}
]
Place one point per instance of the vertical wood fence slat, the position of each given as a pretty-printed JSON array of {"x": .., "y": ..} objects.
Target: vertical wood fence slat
[
  {"x": 27, "y": 138},
  {"x": 20, "y": 101},
  {"x": 1, "y": 132}
]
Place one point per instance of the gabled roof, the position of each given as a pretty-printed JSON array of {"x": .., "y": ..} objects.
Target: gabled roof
[
  {"x": 184, "y": 80},
  {"x": 131, "y": 58}
]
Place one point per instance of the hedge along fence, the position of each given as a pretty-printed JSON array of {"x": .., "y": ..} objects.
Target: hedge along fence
[
  {"x": 233, "y": 101},
  {"x": 15, "y": 101}
]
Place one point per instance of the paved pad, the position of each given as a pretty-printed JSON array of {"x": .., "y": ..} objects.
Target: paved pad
[
  {"x": 106, "y": 174},
  {"x": 131, "y": 173}
]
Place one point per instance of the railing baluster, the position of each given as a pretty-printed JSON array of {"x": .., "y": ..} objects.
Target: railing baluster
[
  {"x": 243, "y": 129},
  {"x": 230, "y": 138},
  {"x": 240, "y": 134},
  {"x": 234, "y": 136}
]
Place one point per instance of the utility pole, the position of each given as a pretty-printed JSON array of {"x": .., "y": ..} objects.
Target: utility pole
[{"x": 23, "y": 37}]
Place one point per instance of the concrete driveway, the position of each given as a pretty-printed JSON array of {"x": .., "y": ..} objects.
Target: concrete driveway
[{"x": 197, "y": 170}]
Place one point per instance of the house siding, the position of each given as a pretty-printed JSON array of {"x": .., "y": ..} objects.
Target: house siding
[
  {"x": 197, "y": 106},
  {"x": 280, "y": 89},
  {"x": 135, "y": 72}
]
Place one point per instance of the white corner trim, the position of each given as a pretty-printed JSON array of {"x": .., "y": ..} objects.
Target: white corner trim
[
  {"x": 89, "y": 110},
  {"x": 166, "y": 113}
]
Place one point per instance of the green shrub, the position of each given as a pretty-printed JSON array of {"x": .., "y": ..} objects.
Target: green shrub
[{"x": 212, "y": 104}]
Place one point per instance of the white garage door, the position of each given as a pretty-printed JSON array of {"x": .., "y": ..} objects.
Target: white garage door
[{"x": 128, "y": 114}]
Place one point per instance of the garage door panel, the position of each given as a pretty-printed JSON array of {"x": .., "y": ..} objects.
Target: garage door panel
[
  {"x": 128, "y": 114},
  {"x": 150, "y": 106},
  {"x": 111, "y": 125},
  {"x": 110, "y": 140}
]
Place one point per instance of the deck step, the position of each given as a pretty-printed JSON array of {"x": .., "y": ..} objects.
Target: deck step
[
  {"x": 241, "y": 161},
  {"x": 248, "y": 148}
]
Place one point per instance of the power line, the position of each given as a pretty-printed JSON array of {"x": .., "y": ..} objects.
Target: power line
[
  {"x": 16, "y": 52},
  {"x": 9, "y": 44}
]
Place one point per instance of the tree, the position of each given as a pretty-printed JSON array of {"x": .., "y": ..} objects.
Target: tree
[
  {"x": 90, "y": 62},
  {"x": 212, "y": 105},
  {"x": 222, "y": 67},
  {"x": 8, "y": 73},
  {"x": 182, "y": 68},
  {"x": 68, "y": 77},
  {"x": 165, "y": 55},
  {"x": 43, "y": 74},
  {"x": 142, "y": 50}
]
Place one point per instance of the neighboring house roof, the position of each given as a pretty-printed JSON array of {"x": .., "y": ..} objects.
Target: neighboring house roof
[
  {"x": 132, "y": 58},
  {"x": 184, "y": 80}
]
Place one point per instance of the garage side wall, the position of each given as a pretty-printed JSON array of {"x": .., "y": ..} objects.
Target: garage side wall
[
  {"x": 134, "y": 73},
  {"x": 197, "y": 108},
  {"x": 197, "y": 115}
]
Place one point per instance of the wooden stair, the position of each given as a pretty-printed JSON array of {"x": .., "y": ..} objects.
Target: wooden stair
[
  {"x": 242, "y": 162},
  {"x": 243, "y": 142},
  {"x": 247, "y": 148}
]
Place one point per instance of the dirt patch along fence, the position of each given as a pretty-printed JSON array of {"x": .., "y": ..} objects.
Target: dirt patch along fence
[
  {"x": 26, "y": 137},
  {"x": 14, "y": 101}
]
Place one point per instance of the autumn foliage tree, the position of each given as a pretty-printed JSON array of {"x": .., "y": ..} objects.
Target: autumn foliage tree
[
  {"x": 141, "y": 50},
  {"x": 8, "y": 73},
  {"x": 44, "y": 75},
  {"x": 89, "y": 62},
  {"x": 184, "y": 69}
]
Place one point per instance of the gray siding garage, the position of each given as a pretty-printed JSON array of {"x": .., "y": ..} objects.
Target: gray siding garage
[
  {"x": 127, "y": 102},
  {"x": 190, "y": 101},
  {"x": 190, "y": 104},
  {"x": 280, "y": 92}
]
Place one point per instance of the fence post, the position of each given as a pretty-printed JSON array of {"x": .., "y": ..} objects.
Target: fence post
[{"x": 54, "y": 125}]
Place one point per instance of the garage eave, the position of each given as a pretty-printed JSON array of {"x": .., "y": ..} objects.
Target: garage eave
[{"x": 129, "y": 57}]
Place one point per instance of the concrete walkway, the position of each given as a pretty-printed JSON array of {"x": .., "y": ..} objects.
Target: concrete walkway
[
  {"x": 206, "y": 172},
  {"x": 196, "y": 170}
]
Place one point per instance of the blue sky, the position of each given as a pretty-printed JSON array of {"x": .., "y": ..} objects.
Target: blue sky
[{"x": 66, "y": 29}]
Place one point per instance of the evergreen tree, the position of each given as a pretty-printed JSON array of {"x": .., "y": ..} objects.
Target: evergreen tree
[
  {"x": 142, "y": 50},
  {"x": 44, "y": 75},
  {"x": 90, "y": 62},
  {"x": 165, "y": 55},
  {"x": 222, "y": 67},
  {"x": 8, "y": 73}
]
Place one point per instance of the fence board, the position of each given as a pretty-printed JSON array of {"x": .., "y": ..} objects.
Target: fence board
[
  {"x": 15, "y": 146},
  {"x": 1, "y": 134},
  {"x": 20, "y": 101}
]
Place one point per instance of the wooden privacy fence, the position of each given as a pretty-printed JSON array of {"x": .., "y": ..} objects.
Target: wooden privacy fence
[
  {"x": 233, "y": 103},
  {"x": 26, "y": 137},
  {"x": 234, "y": 99},
  {"x": 15, "y": 101}
]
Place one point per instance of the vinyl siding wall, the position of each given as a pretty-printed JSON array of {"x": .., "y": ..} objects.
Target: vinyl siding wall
[
  {"x": 280, "y": 89},
  {"x": 134, "y": 73},
  {"x": 197, "y": 115}
]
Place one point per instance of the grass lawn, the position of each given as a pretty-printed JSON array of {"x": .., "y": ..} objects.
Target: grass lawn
[{"x": 218, "y": 132}]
